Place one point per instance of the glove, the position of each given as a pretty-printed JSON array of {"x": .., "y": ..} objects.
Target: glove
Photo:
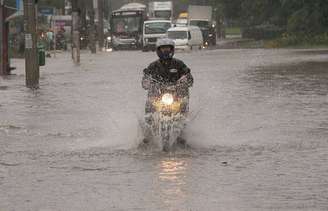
[
  {"x": 146, "y": 83},
  {"x": 183, "y": 80}
]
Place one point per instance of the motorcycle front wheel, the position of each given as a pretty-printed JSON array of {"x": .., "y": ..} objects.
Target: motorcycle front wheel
[{"x": 165, "y": 137}]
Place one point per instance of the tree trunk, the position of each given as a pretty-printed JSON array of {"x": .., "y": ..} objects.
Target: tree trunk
[
  {"x": 2, "y": 40},
  {"x": 31, "y": 59},
  {"x": 101, "y": 24},
  {"x": 92, "y": 28},
  {"x": 75, "y": 32}
]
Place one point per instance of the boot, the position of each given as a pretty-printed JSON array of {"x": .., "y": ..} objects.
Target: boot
[{"x": 181, "y": 141}]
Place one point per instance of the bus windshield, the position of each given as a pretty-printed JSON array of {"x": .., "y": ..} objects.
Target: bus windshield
[{"x": 125, "y": 24}]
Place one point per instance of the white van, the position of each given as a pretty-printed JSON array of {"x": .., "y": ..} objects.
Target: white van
[
  {"x": 153, "y": 30},
  {"x": 186, "y": 37}
]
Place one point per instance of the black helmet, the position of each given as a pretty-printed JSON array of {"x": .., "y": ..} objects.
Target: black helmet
[{"x": 165, "y": 42}]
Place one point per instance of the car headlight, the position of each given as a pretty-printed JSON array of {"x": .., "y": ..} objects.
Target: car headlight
[{"x": 167, "y": 99}]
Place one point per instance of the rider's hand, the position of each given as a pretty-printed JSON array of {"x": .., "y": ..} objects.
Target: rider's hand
[
  {"x": 146, "y": 84},
  {"x": 183, "y": 80}
]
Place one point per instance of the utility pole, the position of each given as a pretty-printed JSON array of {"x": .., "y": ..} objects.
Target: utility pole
[
  {"x": 4, "y": 59},
  {"x": 31, "y": 60},
  {"x": 92, "y": 28},
  {"x": 2, "y": 21},
  {"x": 101, "y": 24},
  {"x": 75, "y": 32}
]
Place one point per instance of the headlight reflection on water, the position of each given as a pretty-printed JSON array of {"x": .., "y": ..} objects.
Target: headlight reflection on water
[
  {"x": 172, "y": 170},
  {"x": 172, "y": 180}
]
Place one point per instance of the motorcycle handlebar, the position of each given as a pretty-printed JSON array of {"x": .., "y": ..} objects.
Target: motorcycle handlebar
[{"x": 164, "y": 84}]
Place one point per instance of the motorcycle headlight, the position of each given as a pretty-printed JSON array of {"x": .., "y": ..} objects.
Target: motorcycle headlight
[
  {"x": 167, "y": 99},
  {"x": 109, "y": 38}
]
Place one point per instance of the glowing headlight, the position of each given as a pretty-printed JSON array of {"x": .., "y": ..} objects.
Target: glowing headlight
[
  {"x": 167, "y": 99},
  {"x": 109, "y": 38}
]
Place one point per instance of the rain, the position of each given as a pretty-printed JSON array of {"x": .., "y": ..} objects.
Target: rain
[{"x": 256, "y": 131}]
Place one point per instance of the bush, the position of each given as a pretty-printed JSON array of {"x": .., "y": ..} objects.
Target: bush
[
  {"x": 262, "y": 32},
  {"x": 306, "y": 21},
  {"x": 299, "y": 40}
]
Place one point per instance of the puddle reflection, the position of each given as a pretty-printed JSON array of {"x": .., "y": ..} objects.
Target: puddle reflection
[{"x": 172, "y": 180}]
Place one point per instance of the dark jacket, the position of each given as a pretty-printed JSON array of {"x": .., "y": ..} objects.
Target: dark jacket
[{"x": 162, "y": 71}]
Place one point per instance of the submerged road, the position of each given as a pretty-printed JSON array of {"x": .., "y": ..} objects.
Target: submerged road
[{"x": 258, "y": 135}]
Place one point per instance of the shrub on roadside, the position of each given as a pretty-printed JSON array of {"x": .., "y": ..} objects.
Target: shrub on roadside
[
  {"x": 288, "y": 40},
  {"x": 262, "y": 32}
]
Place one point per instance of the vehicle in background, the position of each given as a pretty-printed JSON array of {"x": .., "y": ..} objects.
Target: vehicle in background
[
  {"x": 186, "y": 37},
  {"x": 61, "y": 25},
  {"x": 160, "y": 10},
  {"x": 61, "y": 42},
  {"x": 183, "y": 15},
  {"x": 153, "y": 30},
  {"x": 201, "y": 16},
  {"x": 61, "y": 22},
  {"x": 126, "y": 26},
  {"x": 182, "y": 20},
  {"x": 84, "y": 38}
]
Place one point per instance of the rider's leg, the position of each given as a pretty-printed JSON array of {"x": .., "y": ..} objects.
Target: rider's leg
[{"x": 148, "y": 122}]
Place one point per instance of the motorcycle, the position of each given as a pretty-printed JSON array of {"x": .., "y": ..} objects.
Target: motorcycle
[
  {"x": 168, "y": 119},
  {"x": 61, "y": 43}
]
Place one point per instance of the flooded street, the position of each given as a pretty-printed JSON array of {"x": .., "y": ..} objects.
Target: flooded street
[{"x": 258, "y": 135}]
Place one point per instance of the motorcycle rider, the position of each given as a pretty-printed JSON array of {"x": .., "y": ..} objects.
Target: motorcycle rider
[{"x": 166, "y": 70}]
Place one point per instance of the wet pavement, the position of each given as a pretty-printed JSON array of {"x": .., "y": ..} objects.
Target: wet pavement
[{"x": 258, "y": 135}]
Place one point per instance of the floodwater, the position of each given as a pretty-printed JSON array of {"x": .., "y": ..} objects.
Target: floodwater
[{"x": 258, "y": 135}]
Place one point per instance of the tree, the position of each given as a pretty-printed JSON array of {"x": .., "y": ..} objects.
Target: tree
[
  {"x": 295, "y": 16},
  {"x": 308, "y": 17},
  {"x": 59, "y": 4},
  {"x": 11, "y": 3}
]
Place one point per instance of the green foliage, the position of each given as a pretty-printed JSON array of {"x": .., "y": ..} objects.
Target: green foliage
[
  {"x": 267, "y": 19},
  {"x": 260, "y": 32},
  {"x": 11, "y": 3},
  {"x": 291, "y": 40},
  {"x": 233, "y": 31},
  {"x": 310, "y": 19},
  {"x": 59, "y": 4}
]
